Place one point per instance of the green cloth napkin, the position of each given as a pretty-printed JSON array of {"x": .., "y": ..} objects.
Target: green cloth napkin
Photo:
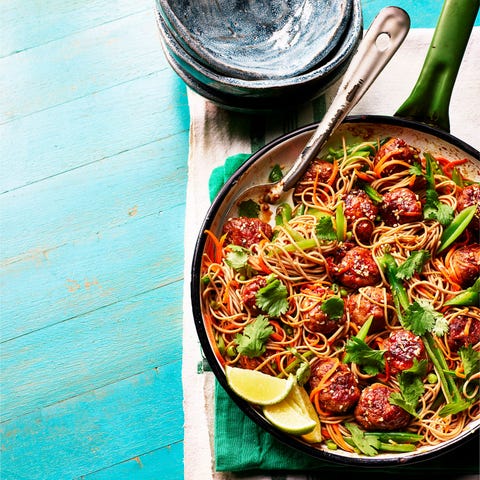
[{"x": 242, "y": 446}]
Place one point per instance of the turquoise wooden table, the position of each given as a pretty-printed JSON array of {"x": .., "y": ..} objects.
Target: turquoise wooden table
[{"x": 93, "y": 146}]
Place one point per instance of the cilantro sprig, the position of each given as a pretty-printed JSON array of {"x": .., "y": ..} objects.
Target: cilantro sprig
[
  {"x": 411, "y": 387},
  {"x": 357, "y": 351},
  {"x": 252, "y": 342},
  {"x": 273, "y": 297},
  {"x": 434, "y": 209}
]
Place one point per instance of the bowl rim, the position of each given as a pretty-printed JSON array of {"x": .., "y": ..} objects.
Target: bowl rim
[
  {"x": 349, "y": 44},
  {"x": 204, "y": 55}
]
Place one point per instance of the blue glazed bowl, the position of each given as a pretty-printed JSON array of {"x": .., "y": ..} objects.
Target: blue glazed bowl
[
  {"x": 257, "y": 39},
  {"x": 267, "y": 94}
]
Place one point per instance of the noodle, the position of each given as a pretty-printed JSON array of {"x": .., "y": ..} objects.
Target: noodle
[{"x": 310, "y": 268}]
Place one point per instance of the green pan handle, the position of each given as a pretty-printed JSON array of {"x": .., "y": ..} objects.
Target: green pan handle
[{"x": 430, "y": 98}]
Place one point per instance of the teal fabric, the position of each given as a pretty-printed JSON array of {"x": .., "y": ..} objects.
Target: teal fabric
[
  {"x": 242, "y": 446},
  {"x": 221, "y": 174}
]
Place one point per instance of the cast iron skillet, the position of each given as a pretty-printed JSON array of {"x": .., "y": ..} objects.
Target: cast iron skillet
[{"x": 421, "y": 121}]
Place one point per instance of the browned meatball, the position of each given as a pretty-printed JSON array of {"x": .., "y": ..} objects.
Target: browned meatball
[
  {"x": 340, "y": 391},
  {"x": 375, "y": 412},
  {"x": 359, "y": 206},
  {"x": 400, "y": 206},
  {"x": 314, "y": 318},
  {"x": 356, "y": 269},
  {"x": 396, "y": 149},
  {"x": 319, "y": 170},
  {"x": 370, "y": 301},
  {"x": 470, "y": 195},
  {"x": 402, "y": 347},
  {"x": 249, "y": 291},
  {"x": 463, "y": 331},
  {"x": 465, "y": 264},
  {"x": 246, "y": 231}
]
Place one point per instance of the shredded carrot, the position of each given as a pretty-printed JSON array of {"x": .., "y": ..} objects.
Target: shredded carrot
[
  {"x": 334, "y": 173},
  {"x": 364, "y": 176},
  {"x": 325, "y": 433},
  {"x": 337, "y": 437},
  {"x": 380, "y": 167},
  {"x": 263, "y": 266},
  {"x": 315, "y": 185},
  {"x": 217, "y": 246},
  {"x": 384, "y": 159},
  {"x": 324, "y": 379}
]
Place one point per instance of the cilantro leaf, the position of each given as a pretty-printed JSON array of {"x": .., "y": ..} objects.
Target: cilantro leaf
[
  {"x": 411, "y": 387},
  {"x": 421, "y": 317},
  {"x": 252, "y": 342},
  {"x": 276, "y": 174},
  {"x": 360, "y": 353},
  {"x": 470, "y": 360},
  {"x": 333, "y": 307},
  {"x": 249, "y": 209},
  {"x": 413, "y": 264},
  {"x": 434, "y": 209},
  {"x": 416, "y": 169},
  {"x": 272, "y": 298},
  {"x": 367, "y": 445},
  {"x": 324, "y": 228},
  {"x": 237, "y": 257}
]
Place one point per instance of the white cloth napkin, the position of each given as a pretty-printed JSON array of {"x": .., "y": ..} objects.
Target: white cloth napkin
[{"x": 216, "y": 134}]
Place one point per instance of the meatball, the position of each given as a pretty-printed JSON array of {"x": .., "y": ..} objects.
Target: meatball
[
  {"x": 375, "y": 412},
  {"x": 315, "y": 319},
  {"x": 369, "y": 301},
  {"x": 359, "y": 205},
  {"x": 249, "y": 291},
  {"x": 470, "y": 195},
  {"x": 463, "y": 331},
  {"x": 319, "y": 170},
  {"x": 396, "y": 149},
  {"x": 246, "y": 231},
  {"x": 402, "y": 347},
  {"x": 400, "y": 206},
  {"x": 360, "y": 208},
  {"x": 465, "y": 264},
  {"x": 340, "y": 391},
  {"x": 356, "y": 269}
]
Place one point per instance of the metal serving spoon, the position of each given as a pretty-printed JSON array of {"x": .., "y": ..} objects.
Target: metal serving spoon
[{"x": 381, "y": 41}]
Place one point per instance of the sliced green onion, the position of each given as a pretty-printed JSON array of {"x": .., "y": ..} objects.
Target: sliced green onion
[{"x": 457, "y": 227}]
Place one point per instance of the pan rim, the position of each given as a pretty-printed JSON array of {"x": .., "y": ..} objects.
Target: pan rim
[{"x": 382, "y": 460}]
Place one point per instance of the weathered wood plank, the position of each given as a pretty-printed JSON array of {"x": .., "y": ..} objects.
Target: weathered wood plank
[
  {"x": 26, "y": 24},
  {"x": 91, "y": 273},
  {"x": 98, "y": 429},
  {"x": 165, "y": 464},
  {"x": 89, "y": 351},
  {"x": 80, "y": 64},
  {"x": 92, "y": 128}
]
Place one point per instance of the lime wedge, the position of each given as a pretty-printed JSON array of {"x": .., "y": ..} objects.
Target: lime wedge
[
  {"x": 257, "y": 387},
  {"x": 302, "y": 399},
  {"x": 289, "y": 416}
]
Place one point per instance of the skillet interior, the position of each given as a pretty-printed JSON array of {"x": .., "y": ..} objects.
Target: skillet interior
[{"x": 284, "y": 151}]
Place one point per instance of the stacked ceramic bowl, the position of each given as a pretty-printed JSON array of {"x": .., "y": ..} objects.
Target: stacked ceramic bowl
[{"x": 259, "y": 55}]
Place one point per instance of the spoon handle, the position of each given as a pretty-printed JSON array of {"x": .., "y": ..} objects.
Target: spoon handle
[{"x": 381, "y": 41}]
